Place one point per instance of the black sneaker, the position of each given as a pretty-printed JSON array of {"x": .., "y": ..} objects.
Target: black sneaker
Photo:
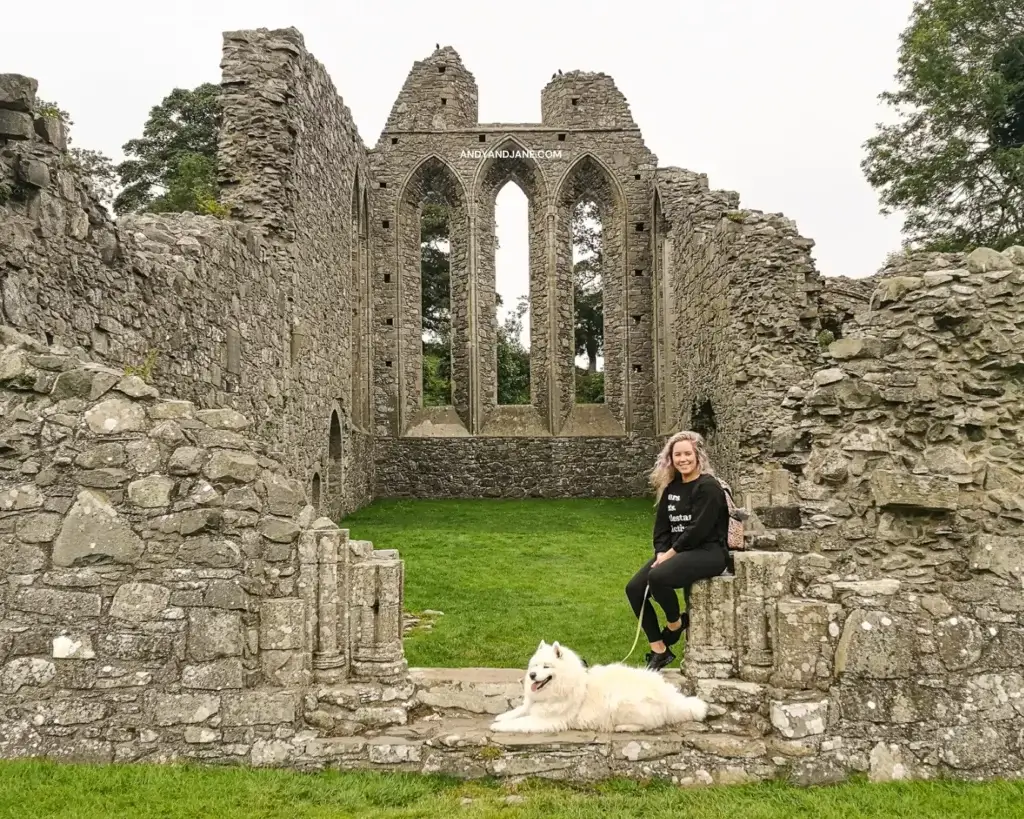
[
  {"x": 656, "y": 662},
  {"x": 670, "y": 637}
]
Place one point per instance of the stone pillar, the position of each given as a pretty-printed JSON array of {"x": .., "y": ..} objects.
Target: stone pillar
[
  {"x": 711, "y": 642},
  {"x": 761, "y": 580},
  {"x": 330, "y": 657},
  {"x": 377, "y": 593},
  {"x": 323, "y": 571}
]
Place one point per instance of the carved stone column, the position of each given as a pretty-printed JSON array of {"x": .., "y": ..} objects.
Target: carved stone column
[
  {"x": 762, "y": 580},
  {"x": 331, "y": 655},
  {"x": 711, "y": 641},
  {"x": 377, "y": 596}
]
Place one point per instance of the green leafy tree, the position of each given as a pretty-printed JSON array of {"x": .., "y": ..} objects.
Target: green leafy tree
[
  {"x": 435, "y": 270},
  {"x": 95, "y": 166},
  {"x": 435, "y": 303},
  {"x": 954, "y": 160},
  {"x": 513, "y": 357},
  {"x": 588, "y": 300},
  {"x": 587, "y": 286},
  {"x": 172, "y": 167}
]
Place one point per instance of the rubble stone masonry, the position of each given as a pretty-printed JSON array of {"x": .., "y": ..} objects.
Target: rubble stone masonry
[{"x": 189, "y": 406}]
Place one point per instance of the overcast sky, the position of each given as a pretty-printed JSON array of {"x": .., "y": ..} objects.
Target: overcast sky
[{"x": 770, "y": 98}]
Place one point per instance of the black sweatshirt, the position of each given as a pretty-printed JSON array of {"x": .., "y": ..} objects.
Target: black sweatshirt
[{"x": 692, "y": 515}]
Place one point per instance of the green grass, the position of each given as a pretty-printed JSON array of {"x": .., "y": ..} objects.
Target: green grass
[
  {"x": 509, "y": 573},
  {"x": 37, "y": 790}
]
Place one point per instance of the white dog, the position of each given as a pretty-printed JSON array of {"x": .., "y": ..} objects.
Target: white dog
[{"x": 561, "y": 694}]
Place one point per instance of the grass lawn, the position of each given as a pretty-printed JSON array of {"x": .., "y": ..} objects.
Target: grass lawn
[
  {"x": 34, "y": 790},
  {"x": 509, "y": 573}
]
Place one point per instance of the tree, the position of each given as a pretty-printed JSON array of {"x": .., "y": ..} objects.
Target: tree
[
  {"x": 954, "y": 162},
  {"x": 1008, "y": 129},
  {"x": 176, "y": 155},
  {"x": 435, "y": 283},
  {"x": 586, "y": 275},
  {"x": 95, "y": 166},
  {"x": 435, "y": 269},
  {"x": 513, "y": 357}
]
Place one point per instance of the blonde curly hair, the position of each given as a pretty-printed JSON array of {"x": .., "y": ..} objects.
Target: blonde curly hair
[{"x": 664, "y": 470}]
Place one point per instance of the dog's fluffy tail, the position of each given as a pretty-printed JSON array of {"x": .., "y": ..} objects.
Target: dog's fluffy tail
[{"x": 689, "y": 709}]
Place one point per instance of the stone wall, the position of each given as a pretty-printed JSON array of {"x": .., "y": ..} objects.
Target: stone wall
[
  {"x": 739, "y": 293},
  {"x": 515, "y": 468},
  {"x": 171, "y": 592},
  {"x": 594, "y": 152},
  {"x": 266, "y": 313},
  {"x": 167, "y": 593},
  {"x": 190, "y": 300},
  {"x": 885, "y": 634},
  {"x": 292, "y": 164}
]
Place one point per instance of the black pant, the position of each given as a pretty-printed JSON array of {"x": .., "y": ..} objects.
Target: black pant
[{"x": 679, "y": 572}]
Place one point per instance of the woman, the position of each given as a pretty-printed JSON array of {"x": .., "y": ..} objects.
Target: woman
[{"x": 691, "y": 530}]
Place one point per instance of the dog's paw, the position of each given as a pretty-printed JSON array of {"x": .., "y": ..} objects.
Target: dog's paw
[{"x": 699, "y": 709}]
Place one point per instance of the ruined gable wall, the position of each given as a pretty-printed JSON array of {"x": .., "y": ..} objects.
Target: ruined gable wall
[
  {"x": 167, "y": 594},
  {"x": 586, "y": 144},
  {"x": 290, "y": 156},
  {"x": 743, "y": 292}
]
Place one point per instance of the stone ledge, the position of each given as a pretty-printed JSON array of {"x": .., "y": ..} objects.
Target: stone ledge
[
  {"x": 460, "y": 691},
  {"x": 689, "y": 755}
]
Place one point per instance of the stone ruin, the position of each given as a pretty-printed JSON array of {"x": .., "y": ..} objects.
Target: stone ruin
[{"x": 191, "y": 404}]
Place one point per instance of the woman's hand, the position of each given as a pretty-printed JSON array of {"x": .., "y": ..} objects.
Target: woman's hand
[{"x": 663, "y": 556}]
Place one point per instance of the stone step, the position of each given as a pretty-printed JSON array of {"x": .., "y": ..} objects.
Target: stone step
[
  {"x": 689, "y": 754},
  {"x": 736, "y": 707}
]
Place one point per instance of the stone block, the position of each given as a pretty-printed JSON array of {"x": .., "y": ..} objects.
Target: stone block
[
  {"x": 780, "y": 517},
  {"x": 286, "y": 668},
  {"x": 1000, "y": 555},
  {"x": 805, "y": 634},
  {"x": 94, "y": 531},
  {"x": 213, "y": 634},
  {"x": 32, "y": 671},
  {"x": 18, "y": 92},
  {"x": 52, "y": 130},
  {"x": 284, "y": 497},
  {"x": 227, "y": 465},
  {"x": 892, "y": 490},
  {"x": 959, "y": 642},
  {"x": 73, "y": 647},
  {"x": 15, "y": 125},
  {"x": 68, "y": 606},
  {"x": 796, "y": 720},
  {"x": 138, "y": 602},
  {"x": 876, "y": 645},
  {"x": 849, "y": 348},
  {"x": 712, "y": 635},
  {"x": 215, "y": 676},
  {"x": 183, "y": 709},
  {"x": 258, "y": 708},
  {"x": 282, "y": 624},
  {"x": 34, "y": 172}
]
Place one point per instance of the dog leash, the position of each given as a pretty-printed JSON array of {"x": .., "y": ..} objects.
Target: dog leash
[{"x": 639, "y": 623}]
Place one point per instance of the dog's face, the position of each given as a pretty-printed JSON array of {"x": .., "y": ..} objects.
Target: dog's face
[{"x": 551, "y": 664}]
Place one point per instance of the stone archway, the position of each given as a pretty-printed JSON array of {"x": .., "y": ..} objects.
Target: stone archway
[
  {"x": 433, "y": 182},
  {"x": 510, "y": 163},
  {"x": 590, "y": 180}
]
